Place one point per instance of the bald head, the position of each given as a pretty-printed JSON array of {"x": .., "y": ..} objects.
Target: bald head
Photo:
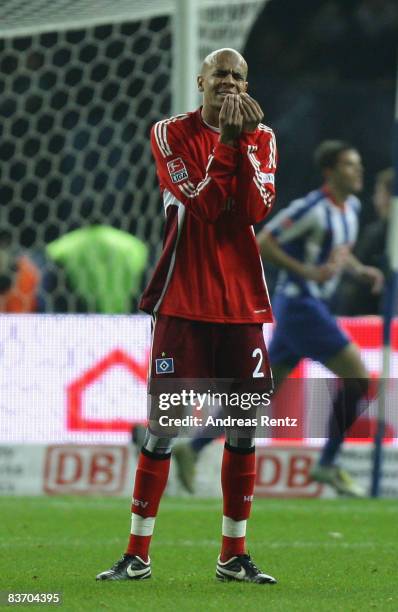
[
  {"x": 224, "y": 72},
  {"x": 219, "y": 55}
]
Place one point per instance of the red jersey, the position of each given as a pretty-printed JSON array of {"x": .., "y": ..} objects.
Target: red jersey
[{"x": 210, "y": 268}]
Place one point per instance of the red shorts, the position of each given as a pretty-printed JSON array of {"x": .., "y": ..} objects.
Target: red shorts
[{"x": 186, "y": 349}]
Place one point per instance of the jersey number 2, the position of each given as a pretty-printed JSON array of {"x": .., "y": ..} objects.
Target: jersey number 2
[{"x": 256, "y": 372}]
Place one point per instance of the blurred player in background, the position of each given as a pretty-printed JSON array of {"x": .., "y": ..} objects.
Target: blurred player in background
[
  {"x": 216, "y": 170},
  {"x": 98, "y": 268},
  {"x": 311, "y": 241}
]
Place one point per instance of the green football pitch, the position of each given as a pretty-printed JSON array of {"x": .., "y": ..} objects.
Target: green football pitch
[{"x": 326, "y": 554}]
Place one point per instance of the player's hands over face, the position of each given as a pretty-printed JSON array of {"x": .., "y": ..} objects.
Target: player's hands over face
[
  {"x": 230, "y": 119},
  {"x": 252, "y": 112}
]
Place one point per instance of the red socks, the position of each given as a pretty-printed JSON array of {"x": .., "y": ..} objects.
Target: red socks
[
  {"x": 150, "y": 482},
  {"x": 237, "y": 479}
]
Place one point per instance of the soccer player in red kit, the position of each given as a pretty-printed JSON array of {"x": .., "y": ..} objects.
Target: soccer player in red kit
[{"x": 216, "y": 169}]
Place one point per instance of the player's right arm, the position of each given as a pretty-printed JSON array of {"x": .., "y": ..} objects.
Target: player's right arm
[
  {"x": 293, "y": 224},
  {"x": 272, "y": 252},
  {"x": 203, "y": 191}
]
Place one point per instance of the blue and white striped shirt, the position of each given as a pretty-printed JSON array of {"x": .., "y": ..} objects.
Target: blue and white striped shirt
[{"x": 308, "y": 230}]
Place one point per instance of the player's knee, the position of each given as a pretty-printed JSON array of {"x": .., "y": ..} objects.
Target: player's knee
[
  {"x": 238, "y": 442},
  {"x": 157, "y": 445},
  {"x": 356, "y": 388}
]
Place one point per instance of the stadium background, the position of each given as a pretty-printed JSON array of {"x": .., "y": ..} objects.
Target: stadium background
[
  {"x": 80, "y": 87},
  {"x": 77, "y": 103}
]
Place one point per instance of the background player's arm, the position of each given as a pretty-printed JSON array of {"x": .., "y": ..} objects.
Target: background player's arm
[
  {"x": 293, "y": 224},
  {"x": 272, "y": 252},
  {"x": 368, "y": 274},
  {"x": 257, "y": 165}
]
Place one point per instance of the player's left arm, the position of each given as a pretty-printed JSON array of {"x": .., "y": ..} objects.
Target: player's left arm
[
  {"x": 368, "y": 274},
  {"x": 257, "y": 164}
]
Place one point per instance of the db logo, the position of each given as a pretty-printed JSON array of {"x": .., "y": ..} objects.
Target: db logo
[
  {"x": 85, "y": 470},
  {"x": 285, "y": 472}
]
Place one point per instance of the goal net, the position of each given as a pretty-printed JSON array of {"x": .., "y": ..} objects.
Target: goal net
[{"x": 81, "y": 83}]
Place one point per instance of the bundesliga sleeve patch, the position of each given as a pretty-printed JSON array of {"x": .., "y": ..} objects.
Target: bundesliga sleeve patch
[
  {"x": 267, "y": 178},
  {"x": 177, "y": 170}
]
